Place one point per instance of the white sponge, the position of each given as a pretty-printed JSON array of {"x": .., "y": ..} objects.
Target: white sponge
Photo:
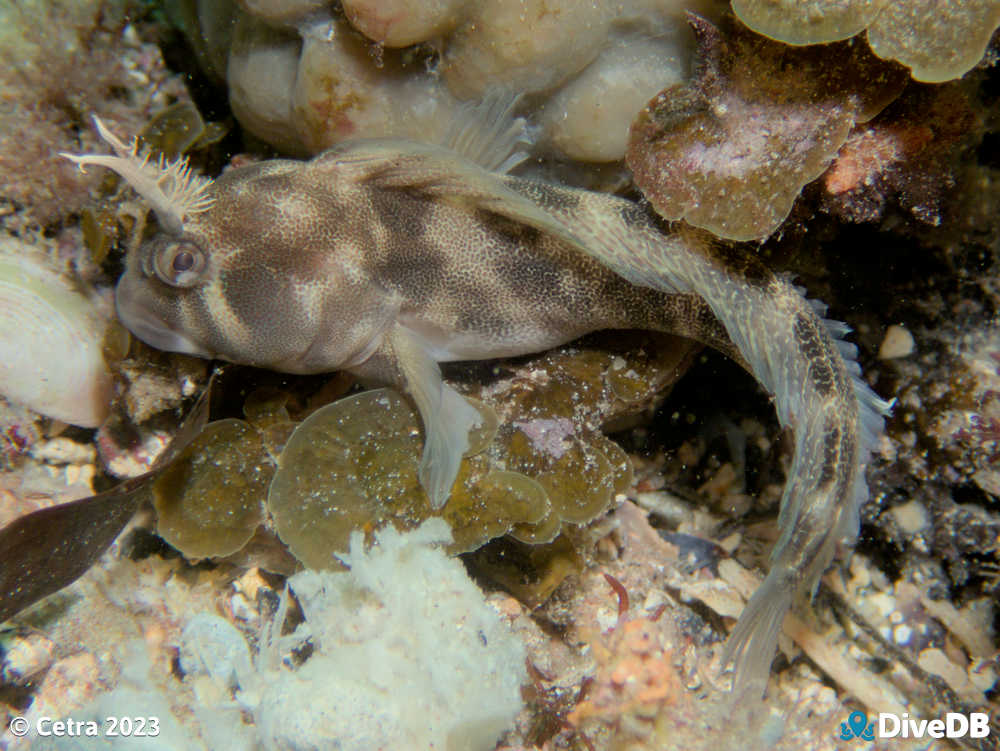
[{"x": 406, "y": 654}]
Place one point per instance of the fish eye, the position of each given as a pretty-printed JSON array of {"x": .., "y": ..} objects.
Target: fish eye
[
  {"x": 183, "y": 261},
  {"x": 179, "y": 264}
]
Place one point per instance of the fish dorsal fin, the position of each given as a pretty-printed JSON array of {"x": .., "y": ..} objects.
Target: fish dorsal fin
[
  {"x": 436, "y": 172},
  {"x": 487, "y": 133}
]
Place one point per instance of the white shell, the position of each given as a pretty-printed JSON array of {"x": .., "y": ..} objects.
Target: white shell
[{"x": 51, "y": 340}]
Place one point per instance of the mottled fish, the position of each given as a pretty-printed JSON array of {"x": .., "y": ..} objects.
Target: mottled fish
[{"x": 387, "y": 257}]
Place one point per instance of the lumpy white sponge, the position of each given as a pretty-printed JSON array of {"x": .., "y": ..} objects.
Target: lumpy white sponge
[{"x": 407, "y": 654}]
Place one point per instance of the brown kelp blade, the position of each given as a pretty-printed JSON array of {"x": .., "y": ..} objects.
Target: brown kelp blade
[{"x": 44, "y": 551}]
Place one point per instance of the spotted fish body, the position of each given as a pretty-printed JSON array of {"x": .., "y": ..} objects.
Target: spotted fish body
[{"x": 385, "y": 258}]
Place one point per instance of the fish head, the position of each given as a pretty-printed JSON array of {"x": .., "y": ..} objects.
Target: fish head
[{"x": 265, "y": 276}]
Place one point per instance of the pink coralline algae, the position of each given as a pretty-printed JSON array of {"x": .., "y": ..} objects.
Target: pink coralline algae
[{"x": 906, "y": 157}]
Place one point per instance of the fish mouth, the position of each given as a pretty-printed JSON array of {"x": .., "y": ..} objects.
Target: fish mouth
[{"x": 132, "y": 305}]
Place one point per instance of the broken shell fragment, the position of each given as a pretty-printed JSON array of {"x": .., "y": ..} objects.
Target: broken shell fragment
[{"x": 52, "y": 350}]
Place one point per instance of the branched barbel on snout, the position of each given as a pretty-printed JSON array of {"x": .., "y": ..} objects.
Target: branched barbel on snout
[{"x": 388, "y": 257}]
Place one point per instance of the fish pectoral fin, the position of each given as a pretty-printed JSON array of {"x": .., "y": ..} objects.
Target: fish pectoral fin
[
  {"x": 447, "y": 440},
  {"x": 446, "y": 415}
]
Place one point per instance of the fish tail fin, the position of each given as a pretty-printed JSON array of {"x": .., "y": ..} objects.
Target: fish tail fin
[{"x": 751, "y": 646}]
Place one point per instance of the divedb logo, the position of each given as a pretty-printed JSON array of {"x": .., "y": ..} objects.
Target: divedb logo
[{"x": 890, "y": 725}]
